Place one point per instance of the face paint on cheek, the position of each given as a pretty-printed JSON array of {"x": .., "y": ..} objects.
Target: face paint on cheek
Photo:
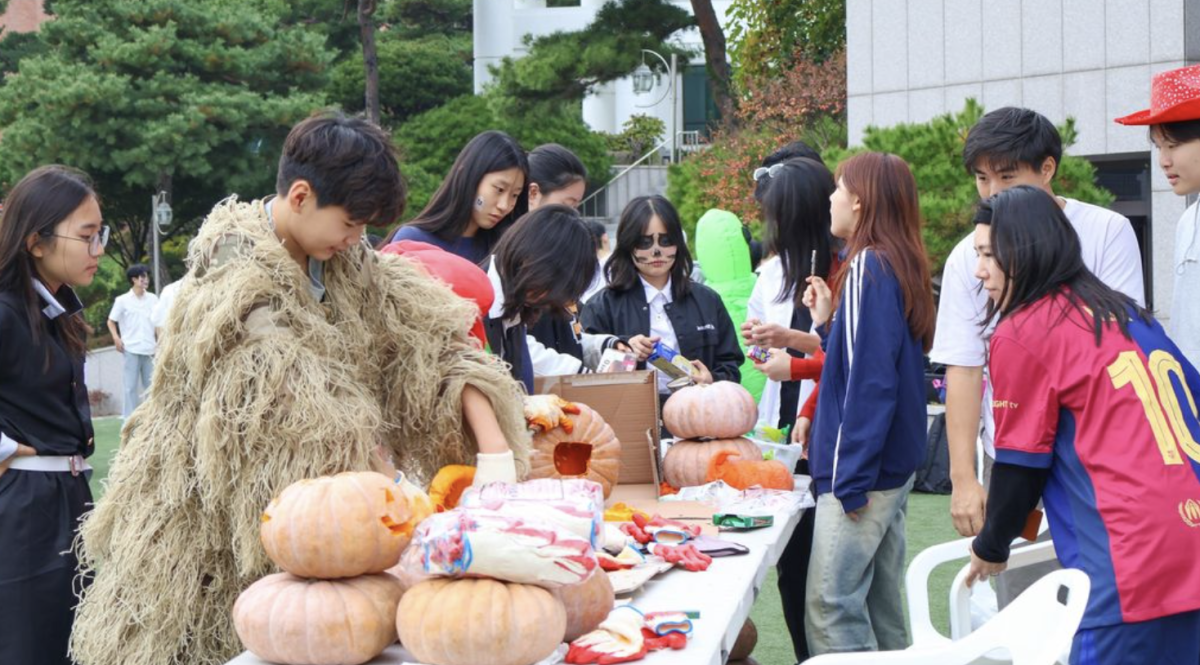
[
  {"x": 479, "y": 203},
  {"x": 657, "y": 255}
]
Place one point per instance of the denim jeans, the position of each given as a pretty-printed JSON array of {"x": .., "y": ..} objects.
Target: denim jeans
[
  {"x": 138, "y": 369},
  {"x": 855, "y": 574}
]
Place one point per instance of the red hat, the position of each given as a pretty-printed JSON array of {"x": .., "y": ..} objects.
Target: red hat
[
  {"x": 1174, "y": 96},
  {"x": 467, "y": 280}
]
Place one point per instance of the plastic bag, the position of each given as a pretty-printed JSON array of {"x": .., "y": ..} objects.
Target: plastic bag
[
  {"x": 476, "y": 542},
  {"x": 575, "y": 504}
]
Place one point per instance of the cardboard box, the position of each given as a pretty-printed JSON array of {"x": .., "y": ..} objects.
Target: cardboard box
[{"x": 628, "y": 402}]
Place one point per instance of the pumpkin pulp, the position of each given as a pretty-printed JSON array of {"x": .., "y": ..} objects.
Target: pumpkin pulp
[{"x": 571, "y": 458}]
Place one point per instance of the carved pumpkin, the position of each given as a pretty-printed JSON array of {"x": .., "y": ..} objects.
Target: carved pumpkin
[
  {"x": 587, "y": 603},
  {"x": 718, "y": 411},
  {"x": 285, "y": 619},
  {"x": 447, "y": 487},
  {"x": 726, "y": 465},
  {"x": 480, "y": 622},
  {"x": 337, "y": 526},
  {"x": 686, "y": 462},
  {"x": 589, "y": 450}
]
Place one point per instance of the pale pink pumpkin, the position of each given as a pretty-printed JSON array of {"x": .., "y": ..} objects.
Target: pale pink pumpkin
[
  {"x": 686, "y": 462},
  {"x": 293, "y": 621},
  {"x": 587, "y": 603},
  {"x": 716, "y": 411},
  {"x": 480, "y": 622},
  {"x": 337, "y": 526}
]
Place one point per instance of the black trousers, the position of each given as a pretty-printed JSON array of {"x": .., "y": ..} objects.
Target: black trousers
[
  {"x": 39, "y": 516},
  {"x": 793, "y": 576}
]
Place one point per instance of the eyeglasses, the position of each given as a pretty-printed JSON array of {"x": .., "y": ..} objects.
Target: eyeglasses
[
  {"x": 768, "y": 171},
  {"x": 647, "y": 241},
  {"x": 95, "y": 243}
]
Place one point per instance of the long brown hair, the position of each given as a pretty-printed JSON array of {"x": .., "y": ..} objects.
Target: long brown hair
[
  {"x": 35, "y": 206},
  {"x": 890, "y": 224}
]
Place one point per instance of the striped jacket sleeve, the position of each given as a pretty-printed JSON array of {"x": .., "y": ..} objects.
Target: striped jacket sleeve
[{"x": 875, "y": 328}]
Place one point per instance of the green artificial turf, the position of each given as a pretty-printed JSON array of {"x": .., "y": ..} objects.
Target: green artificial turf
[{"x": 928, "y": 524}]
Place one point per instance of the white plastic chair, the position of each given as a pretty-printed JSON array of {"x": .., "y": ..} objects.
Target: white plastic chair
[
  {"x": 1035, "y": 629},
  {"x": 916, "y": 582}
]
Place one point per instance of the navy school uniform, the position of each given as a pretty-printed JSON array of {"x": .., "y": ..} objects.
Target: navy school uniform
[{"x": 43, "y": 404}]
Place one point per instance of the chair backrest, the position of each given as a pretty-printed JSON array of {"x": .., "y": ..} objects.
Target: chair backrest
[
  {"x": 1034, "y": 630},
  {"x": 1040, "y": 624},
  {"x": 916, "y": 583},
  {"x": 960, "y": 594}
]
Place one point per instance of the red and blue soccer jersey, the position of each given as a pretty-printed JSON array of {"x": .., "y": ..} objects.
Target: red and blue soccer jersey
[{"x": 1116, "y": 425}]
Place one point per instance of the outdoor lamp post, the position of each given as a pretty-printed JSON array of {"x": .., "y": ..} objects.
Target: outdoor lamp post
[
  {"x": 644, "y": 81},
  {"x": 160, "y": 218}
]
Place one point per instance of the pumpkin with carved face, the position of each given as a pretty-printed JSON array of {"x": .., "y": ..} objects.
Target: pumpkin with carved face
[
  {"x": 586, "y": 448},
  {"x": 338, "y": 526}
]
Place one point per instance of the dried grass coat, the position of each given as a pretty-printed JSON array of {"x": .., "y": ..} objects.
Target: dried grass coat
[{"x": 255, "y": 386}]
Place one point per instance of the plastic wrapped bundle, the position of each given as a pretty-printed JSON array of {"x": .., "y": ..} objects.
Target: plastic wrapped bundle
[
  {"x": 575, "y": 504},
  {"x": 476, "y": 542}
]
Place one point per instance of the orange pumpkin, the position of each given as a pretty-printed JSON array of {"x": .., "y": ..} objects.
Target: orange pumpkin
[
  {"x": 587, "y": 603},
  {"x": 447, "y": 487},
  {"x": 717, "y": 411},
  {"x": 285, "y": 619},
  {"x": 587, "y": 449},
  {"x": 686, "y": 462},
  {"x": 726, "y": 465},
  {"x": 337, "y": 526},
  {"x": 480, "y": 622}
]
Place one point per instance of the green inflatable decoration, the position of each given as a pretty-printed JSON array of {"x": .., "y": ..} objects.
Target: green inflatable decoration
[{"x": 724, "y": 257}]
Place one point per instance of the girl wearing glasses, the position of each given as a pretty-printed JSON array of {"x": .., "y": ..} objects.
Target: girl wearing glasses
[
  {"x": 51, "y": 240},
  {"x": 651, "y": 298}
]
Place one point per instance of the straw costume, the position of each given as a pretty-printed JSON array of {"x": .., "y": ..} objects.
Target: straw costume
[{"x": 258, "y": 385}]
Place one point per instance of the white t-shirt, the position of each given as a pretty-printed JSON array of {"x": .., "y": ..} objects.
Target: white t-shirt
[
  {"x": 133, "y": 317},
  {"x": 1110, "y": 250},
  {"x": 1185, "y": 305},
  {"x": 165, "y": 300},
  {"x": 764, "y": 305}
]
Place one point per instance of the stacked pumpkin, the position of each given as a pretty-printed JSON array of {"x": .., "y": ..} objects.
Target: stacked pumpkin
[
  {"x": 709, "y": 422},
  {"x": 334, "y": 536}
]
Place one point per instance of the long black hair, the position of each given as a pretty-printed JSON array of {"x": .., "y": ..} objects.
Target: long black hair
[
  {"x": 546, "y": 261},
  {"x": 553, "y": 167},
  {"x": 1039, "y": 252},
  {"x": 35, "y": 206},
  {"x": 797, "y": 222},
  {"x": 622, "y": 270},
  {"x": 449, "y": 211}
]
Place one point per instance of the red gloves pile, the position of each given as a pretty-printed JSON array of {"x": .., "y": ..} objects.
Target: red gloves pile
[
  {"x": 621, "y": 638},
  {"x": 638, "y": 529},
  {"x": 686, "y": 555}
]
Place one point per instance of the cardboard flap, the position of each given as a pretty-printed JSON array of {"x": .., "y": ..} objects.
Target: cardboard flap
[{"x": 628, "y": 402}]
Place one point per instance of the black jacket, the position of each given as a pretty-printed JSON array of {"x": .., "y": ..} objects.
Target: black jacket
[{"x": 702, "y": 326}]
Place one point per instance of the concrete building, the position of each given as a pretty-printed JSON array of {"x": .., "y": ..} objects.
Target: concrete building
[
  {"x": 912, "y": 60},
  {"x": 500, "y": 29}
]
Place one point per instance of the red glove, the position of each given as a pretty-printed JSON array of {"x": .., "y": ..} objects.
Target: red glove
[
  {"x": 672, "y": 640},
  {"x": 659, "y": 520},
  {"x": 635, "y": 530},
  {"x": 687, "y": 556}
]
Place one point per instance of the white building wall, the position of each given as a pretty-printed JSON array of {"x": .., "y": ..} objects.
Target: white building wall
[
  {"x": 912, "y": 60},
  {"x": 500, "y": 28}
]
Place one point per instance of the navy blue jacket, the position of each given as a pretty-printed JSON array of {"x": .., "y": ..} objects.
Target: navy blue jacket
[{"x": 869, "y": 429}]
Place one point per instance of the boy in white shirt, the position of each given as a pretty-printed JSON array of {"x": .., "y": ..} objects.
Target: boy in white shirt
[
  {"x": 132, "y": 326},
  {"x": 1174, "y": 120},
  {"x": 1008, "y": 147}
]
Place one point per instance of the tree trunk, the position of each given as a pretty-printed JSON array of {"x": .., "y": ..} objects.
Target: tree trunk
[
  {"x": 366, "y": 23},
  {"x": 720, "y": 76}
]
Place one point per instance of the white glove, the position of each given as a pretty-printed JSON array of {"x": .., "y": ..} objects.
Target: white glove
[
  {"x": 615, "y": 540},
  {"x": 495, "y": 468}
]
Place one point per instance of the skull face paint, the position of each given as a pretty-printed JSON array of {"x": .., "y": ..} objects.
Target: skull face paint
[{"x": 653, "y": 258}]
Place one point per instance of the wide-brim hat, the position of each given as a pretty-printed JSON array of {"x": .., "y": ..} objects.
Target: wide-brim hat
[{"x": 1174, "y": 97}]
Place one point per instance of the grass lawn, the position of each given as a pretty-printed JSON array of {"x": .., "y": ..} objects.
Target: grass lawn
[{"x": 928, "y": 524}]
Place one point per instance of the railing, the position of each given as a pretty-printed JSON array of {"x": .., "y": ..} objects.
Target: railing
[{"x": 607, "y": 201}]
